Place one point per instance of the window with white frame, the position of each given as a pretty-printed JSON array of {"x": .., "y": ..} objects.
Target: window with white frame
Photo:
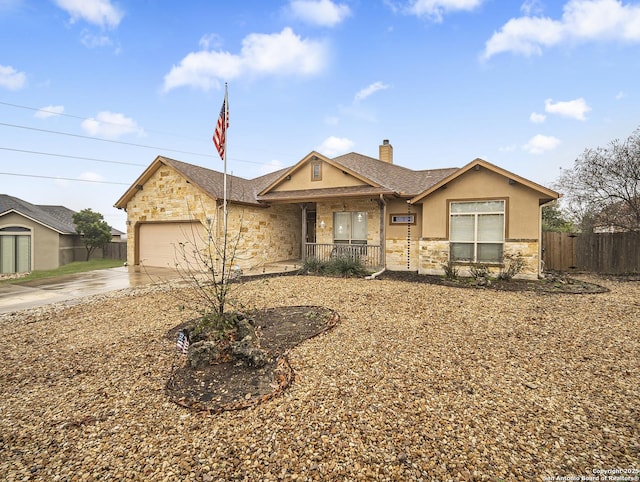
[
  {"x": 476, "y": 231},
  {"x": 350, "y": 227}
]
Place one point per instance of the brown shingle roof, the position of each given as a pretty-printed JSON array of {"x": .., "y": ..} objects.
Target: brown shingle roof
[
  {"x": 238, "y": 189},
  {"x": 396, "y": 178},
  {"x": 299, "y": 195},
  {"x": 389, "y": 178}
]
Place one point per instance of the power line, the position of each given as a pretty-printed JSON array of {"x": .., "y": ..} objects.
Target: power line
[
  {"x": 101, "y": 139},
  {"x": 17, "y": 126},
  {"x": 71, "y": 157},
  {"x": 18, "y": 106},
  {"x": 63, "y": 114},
  {"x": 63, "y": 178}
]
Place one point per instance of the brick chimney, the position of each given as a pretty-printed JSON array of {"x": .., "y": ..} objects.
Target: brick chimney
[{"x": 386, "y": 152}]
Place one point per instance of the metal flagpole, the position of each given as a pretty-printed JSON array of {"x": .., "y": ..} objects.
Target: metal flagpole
[{"x": 224, "y": 201}]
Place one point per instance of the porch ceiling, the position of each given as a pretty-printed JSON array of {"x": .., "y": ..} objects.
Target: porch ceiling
[{"x": 313, "y": 194}]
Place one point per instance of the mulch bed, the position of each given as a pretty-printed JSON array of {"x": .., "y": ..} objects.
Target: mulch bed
[
  {"x": 554, "y": 283},
  {"x": 235, "y": 385}
]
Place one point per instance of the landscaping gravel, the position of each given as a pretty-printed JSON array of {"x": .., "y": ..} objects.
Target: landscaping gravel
[{"x": 416, "y": 382}]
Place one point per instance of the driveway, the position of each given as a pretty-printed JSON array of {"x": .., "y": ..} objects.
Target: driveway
[{"x": 14, "y": 297}]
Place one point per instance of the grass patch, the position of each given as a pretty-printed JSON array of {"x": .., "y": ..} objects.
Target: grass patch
[{"x": 71, "y": 268}]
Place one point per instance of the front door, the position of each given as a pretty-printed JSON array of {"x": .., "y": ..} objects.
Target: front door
[{"x": 311, "y": 225}]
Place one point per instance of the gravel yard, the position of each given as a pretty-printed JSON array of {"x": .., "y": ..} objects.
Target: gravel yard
[{"x": 417, "y": 382}]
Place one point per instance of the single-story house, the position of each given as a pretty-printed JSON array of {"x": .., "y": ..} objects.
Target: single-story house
[
  {"x": 385, "y": 214},
  {"x": 38, "y": 237}
]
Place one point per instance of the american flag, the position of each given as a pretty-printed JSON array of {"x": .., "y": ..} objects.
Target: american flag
[
  {"x": 220, "y": 134},
  {"x": 183, "y": 343}
]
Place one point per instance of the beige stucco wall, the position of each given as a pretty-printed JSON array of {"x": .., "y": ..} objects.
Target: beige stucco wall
[
  {"x": 522, "y": 219},
  {"x": 523, "y": 214},
  {"x": 45, "y": 243},
  {"x": 266, "y": 234},
  {"x": 402, "y": 241},
  {"x": 331, "y": 177}
]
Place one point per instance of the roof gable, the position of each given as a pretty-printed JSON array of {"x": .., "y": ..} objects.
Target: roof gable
[
  {"x": 545, "y": 193},
  {"x": 211, "y": 182},
  {"x": 296, "y": 173},
  {"x": 57, "y": 218}
]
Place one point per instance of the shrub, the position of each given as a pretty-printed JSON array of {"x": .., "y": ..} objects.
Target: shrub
[
  {"x": 346, "y": 266},
  {"x": 512, "y": 266},
  {"x": 313, "y": 265},
  {"x": 450, "y": 270},
  {"x": 479, "y": 270}
]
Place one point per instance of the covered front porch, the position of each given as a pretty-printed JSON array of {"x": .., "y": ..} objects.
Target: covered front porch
[
  {"x": 370, "y": 255},
  {"x": 339, "y": 228}
]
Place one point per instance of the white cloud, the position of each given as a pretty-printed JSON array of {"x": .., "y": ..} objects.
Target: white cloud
[
  {"x": 620, "y": 95},
  {"x": 11, "y": 79},
  {"x": 539, "y": 144},
  {"x": 93, "y": 41},
  {"x": 283, "y": 53},
  {"x": 435, "y": 9},
  {"x": 575, "y": 109},
  {"x": 49, "y": 111},
  {"x": 210, "y": 40},
  {"x": 537, "y": 118},
  {"x": 369, "y": 90},
  {"x": 111, "y": 125},
  {"x": 325, "y": 13},
  {"x": 333, "y": 146},
  {"x": 91, "y": 176},
  {"x": 98, "y": 12},
  {"x": 582, "y": 20},
  {"x": 530, "y": 7},
  {"x": 332, "y": 120}
]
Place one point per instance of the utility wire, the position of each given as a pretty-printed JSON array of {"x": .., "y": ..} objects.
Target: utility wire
[
  {"x": 71, "y": 157},
  {"x": 125, "y": 143},
  {"x": 54, "y": 113},
  {"x": 63, "y": 114},
  {"x": 101, "y": 139},
  {"x": 63, "y": 178}
]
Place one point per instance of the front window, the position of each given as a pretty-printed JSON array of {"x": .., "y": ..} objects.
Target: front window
[
  {"x": 15, "y": 250},
  {"x": 476, "y": 231},
  {"x": 350, "y": 227}
]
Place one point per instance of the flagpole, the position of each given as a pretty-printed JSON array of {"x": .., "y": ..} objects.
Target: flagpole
[{"x": 224, "y": 197}]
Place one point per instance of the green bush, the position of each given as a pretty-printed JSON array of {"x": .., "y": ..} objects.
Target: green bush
[
  {"x": 346, "y": 266},
  {"x": 450, "y": 270}
]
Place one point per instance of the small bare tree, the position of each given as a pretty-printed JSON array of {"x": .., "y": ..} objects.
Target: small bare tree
[
  {"x": 207, "y": 260},
  {"x": 603, "y": 187}
]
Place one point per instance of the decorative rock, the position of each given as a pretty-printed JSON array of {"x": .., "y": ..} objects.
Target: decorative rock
[
  {"x": 248, "y": 350},
  {"x": 202, "y": 353}
]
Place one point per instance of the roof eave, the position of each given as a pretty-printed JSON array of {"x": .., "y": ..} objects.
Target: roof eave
[{"x": 549, "y": 193}]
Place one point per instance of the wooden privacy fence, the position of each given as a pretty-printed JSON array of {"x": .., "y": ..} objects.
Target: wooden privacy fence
[
  {"x": 115, "y": 250},
  {"x": 613, "y": 253}
]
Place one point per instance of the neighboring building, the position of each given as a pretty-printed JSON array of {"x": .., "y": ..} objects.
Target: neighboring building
[
  {"x": 37, "y": 237},
  {"x": 387, "y": 215}
]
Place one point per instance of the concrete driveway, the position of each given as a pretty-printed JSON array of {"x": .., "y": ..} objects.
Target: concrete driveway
[{"x": 14, "y": 297}]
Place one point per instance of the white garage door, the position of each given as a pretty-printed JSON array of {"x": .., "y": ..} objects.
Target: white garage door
[{"x": 160, "y": 244}]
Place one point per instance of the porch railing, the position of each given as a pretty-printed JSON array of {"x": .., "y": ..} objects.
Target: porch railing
[{"x": 368, "y": 254}]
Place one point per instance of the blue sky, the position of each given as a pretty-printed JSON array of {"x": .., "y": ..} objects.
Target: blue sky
[{"x": 91, "y": 91}]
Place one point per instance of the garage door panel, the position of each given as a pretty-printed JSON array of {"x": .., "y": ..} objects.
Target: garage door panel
[{"x": 163, "y": 244}]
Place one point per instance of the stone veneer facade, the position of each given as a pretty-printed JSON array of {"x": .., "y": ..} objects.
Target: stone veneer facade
[
  {"x": 266, "y": 234},
  {"x": 434, "y": 253}
]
